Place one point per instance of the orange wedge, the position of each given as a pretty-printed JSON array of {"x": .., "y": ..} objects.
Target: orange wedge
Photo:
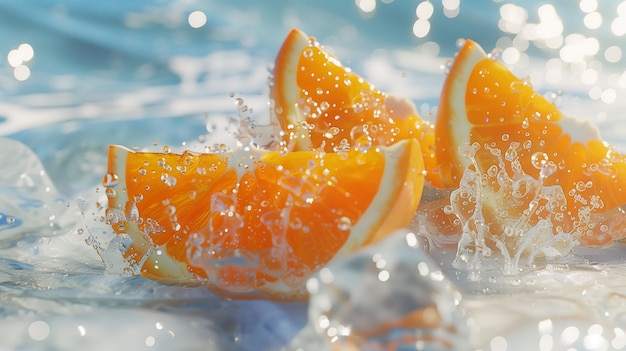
[
  {"x": 251, "y": 223},
  {"x": 485, "y": 105},
  {"x": 319, "y": 103}
]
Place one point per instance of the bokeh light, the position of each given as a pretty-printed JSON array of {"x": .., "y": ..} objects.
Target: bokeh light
[
  {"x": 451, "y": 8},
  {"x": 21, "y": 73},
  {"x": 421, "y": 28},
  {"x": 197, "y": 19},
  {"x": 39, "y": 330},
  {"x": 367, "y": 6},
  {"x": 572, "y": 53},
  {"x": 18, "y": 58},
  {"x": 424, "y": 10}
]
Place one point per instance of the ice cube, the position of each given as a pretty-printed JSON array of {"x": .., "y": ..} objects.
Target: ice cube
[
  {"x": 389, "y": 296},
  {"x": 29, "y": 203}
]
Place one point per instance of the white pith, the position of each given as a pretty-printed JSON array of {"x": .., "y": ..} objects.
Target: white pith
[
  {"x": 459, "y": 124},
  {"x": 397, "y": 156},
  {"x": 173, "y": 270}
]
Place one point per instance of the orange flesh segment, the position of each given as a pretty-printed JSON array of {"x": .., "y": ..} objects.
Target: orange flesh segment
[
  {"x": 321, "y": 103},
  {"x": 499, "y": 109},
  {"x": 292, "y": 212}
]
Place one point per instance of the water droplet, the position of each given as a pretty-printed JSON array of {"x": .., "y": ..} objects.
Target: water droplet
[
  {"x": 510, "y": 154},
  {"x": 324, "y": 105},
  {"x": 343, "y": 147},
  {"x": 525, "y": 123},
  {"x": 495, "y": 54},
  {"x": 539, "y": 159},
  {"x": 295, "y": 223},
  {"x": 358, "y": 107},
  {"x": 468, "y": 150},
  {"x": 168, "y": 179},
  {"x": 344, "y": 223},
  {"x": 527, "y": 144},
  {"x": 447, "y": 66},
  {"x": 308, "y": 52},
  {"x": 547, "y": 170},
  {"x": 110, "y": 180}
]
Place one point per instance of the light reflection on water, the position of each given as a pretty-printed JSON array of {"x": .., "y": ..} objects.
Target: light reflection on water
[{"x": 75, "y": 78}]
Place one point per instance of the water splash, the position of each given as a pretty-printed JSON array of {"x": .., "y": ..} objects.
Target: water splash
[
  {"x": 30, "y": 205},
  {"x": 230, "y": 265},
  {"x": 505, "y": 210},
  {"x": 385, "y": 297}
]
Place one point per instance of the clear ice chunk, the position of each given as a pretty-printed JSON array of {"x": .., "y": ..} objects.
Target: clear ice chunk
[
  {"x": 30, "y": 205},
  {"x": 390, "y": 296}
]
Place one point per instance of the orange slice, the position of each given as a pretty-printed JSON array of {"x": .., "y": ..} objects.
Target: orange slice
[
  {"x": 251, "y": 223},
  {"x": 319, "y": 103},
  {"x": 485, "y": 105}
]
